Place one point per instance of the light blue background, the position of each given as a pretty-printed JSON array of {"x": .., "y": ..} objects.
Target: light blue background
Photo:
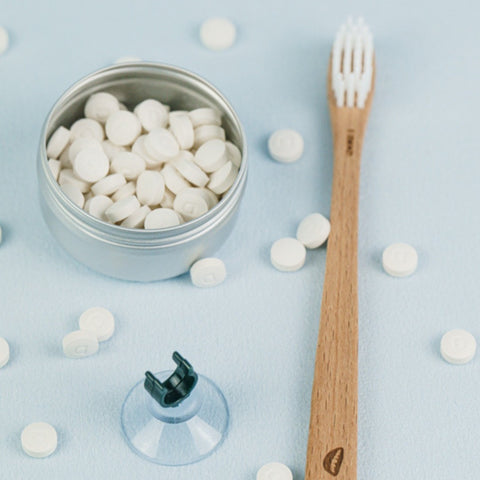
[{"x": 255, "y": 335}]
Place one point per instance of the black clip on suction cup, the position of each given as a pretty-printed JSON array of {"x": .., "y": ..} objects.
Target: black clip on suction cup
[{"x": 175, "y": 388}]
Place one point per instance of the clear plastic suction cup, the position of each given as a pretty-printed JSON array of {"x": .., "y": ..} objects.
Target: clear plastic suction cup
[{"x": 175, "y": 417}]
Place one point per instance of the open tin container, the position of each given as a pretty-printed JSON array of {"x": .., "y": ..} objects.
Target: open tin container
[{"x": 126, "y": 253}]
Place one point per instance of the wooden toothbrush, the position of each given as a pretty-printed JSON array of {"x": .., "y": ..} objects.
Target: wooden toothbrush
[{"x": 332, "y": 441}]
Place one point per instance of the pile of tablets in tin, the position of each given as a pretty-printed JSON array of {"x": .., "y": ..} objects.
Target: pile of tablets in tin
[{"x": 151, "y": 168}]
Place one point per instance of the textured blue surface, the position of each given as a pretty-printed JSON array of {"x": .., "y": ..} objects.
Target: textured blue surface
[{"x": 255, "y": 335}]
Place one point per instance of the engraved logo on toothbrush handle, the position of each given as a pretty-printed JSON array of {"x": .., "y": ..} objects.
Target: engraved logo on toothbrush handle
[
  {"x": 350, "y": 141},
  {"x": 333, "y": 461}
]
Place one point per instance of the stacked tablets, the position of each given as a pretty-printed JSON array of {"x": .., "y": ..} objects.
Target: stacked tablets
[
  {"x": 151, "y": 168},
  {"x": 96, "y": 325}
]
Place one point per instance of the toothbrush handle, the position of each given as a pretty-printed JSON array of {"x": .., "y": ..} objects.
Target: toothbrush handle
[{"x": 332, "y": 442}]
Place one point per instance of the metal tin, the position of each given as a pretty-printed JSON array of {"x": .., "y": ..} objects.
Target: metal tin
[{"x": 124, "y": 253}]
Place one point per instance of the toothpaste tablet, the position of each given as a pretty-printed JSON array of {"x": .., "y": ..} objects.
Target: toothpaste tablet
[
  {"x": 58, "y": 141},
  {"x": 80, "y": 344},
  {"x": 458, "y": 347},
  {"x": 100, "y": 106},
  {"x": 274, "y": 471},
  {"x": 218, "y": 33},
  {"x": 285, "y": 146},
  {"x": 98, "y": 320},
  {"x": 288, "y": 255},
  {"x": 39, "y": 440},
  {"x": 313, "y": 230},
  {"x": 208, "y": 272},
  {"x": 400, "y": 260}
]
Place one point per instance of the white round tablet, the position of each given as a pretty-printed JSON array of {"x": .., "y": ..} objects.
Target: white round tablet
[
  {"x": 285, "y": 145},
  {"x": 217, "y": 33},
  {"x": 150, "y": 187},
  {"x": 139, "y": 148},
  {"x": 204, "y": 133},
  {"x": 4, "y": 40},
  {"x": 123, "y": 127},
  {"x": 206, "y": 194},
  {"x": 126, "y": 190},
  {"x": 161, "y": 145},
  {"x": 137, "y": 218},
  {"x": 162, "y": 218},
  {"x": 108, "y": 185},
  {"x": 111, "y": 149},
  {"x": 99, "y": 321},
  {"x": 223, "y": 178},
  {"x": 67, "y": 176},
  {"x": 100, "y": 106},
  {"x": 86, "y": 127},
  {"x": 4, "y": 352},
  {"x": 205, "y": 116},
  {"x": 80, "y": 144},
  {"x": 458, "y": 347},
  {"x": 212, "y": 155},
  {"x": 182, "y": 129},
  {"x": 39, "y": 439},
  {"x": 97, "y": 205},
  {"x": 57, "y": 142},
  {"x": 173, "y": 180},
  {"x": 190, "y": 204},
  {"x": 79, "y": 344},
  {"x": 313, "y": 230},
  {"x": 91, "y": 165},
  {"x": 208, "y": 272},
  {"x": 274, "y": 471},
  {"x": 400, "y": 260},
  {"x": 129, "y": 164},
  {"x": 152, "y": 114},
  {"x": 189, "y": 170},
  {"x": 122, "y": 209},
  {"x": 288, "y": 255},
  {"x": 73, "y": 193}
]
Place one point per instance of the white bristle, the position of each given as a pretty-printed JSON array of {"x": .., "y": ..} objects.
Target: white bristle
[
  {"x": 339, "y": 89},
  {"x": 347, "y": 53},
  {"x": 337, "y": 55},
  {"x": 350, "y": 90},
  {"x": 357, "y": 57},
  {"x": 368, "y": 50},
  {"x": 352, "y": 64},
  {"x": 362, "y": 90}
]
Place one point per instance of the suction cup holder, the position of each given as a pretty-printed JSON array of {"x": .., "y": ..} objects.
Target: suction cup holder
[
  {"x": 175, "y": 418},
  {"x": 175, "y": 388}
]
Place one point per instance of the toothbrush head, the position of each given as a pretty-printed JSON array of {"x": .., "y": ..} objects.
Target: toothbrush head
[{"x": 352, "y": 65}]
